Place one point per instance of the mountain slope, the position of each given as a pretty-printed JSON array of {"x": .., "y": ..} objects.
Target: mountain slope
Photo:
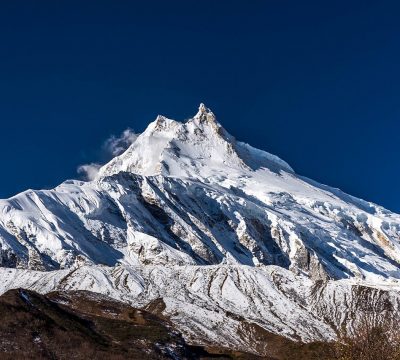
[
  {"x": 188, "y": 202},
  {"x": 79, "y": 325}
]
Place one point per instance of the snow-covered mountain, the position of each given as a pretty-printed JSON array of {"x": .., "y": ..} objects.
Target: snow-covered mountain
[{"x": 221, "y": 232}]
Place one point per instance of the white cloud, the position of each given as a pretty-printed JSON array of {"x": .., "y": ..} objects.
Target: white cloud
[
  {"x": 117, "y": 145},
  {"x": 112, "y": 147},
  {"x": 89, "y": 171}
]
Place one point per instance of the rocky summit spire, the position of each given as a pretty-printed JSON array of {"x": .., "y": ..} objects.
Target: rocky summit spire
[
  {"x": 205, "y": 114},
  {"x": 202, "y": 108}
]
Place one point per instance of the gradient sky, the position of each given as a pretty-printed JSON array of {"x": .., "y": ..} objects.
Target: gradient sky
[{"x": 315, "y": 82}]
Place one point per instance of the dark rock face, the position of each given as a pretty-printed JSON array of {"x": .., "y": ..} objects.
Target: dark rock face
[
  {"x": 84, "y": 325},
  {"x": 81, "y": 326}
]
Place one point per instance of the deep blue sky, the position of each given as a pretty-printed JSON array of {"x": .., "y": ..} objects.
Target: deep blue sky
[{"x": 317, "y": 83}]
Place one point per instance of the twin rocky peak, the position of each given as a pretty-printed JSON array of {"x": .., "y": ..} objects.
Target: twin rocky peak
[{"x": 190, "y": 149}]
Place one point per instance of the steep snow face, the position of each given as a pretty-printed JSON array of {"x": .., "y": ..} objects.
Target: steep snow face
[{"x": 189, "y": 193}]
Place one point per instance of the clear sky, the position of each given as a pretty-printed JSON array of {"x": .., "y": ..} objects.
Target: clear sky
[{"x": 315, "y": 82}]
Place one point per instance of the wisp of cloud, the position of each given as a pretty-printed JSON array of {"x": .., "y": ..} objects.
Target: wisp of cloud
[{"x": 113, "y": 146}]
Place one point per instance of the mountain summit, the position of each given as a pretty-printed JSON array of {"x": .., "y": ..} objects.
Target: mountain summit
[
  {"x": 199, "y": 148},
  {"x": 228, "y": 236}
]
